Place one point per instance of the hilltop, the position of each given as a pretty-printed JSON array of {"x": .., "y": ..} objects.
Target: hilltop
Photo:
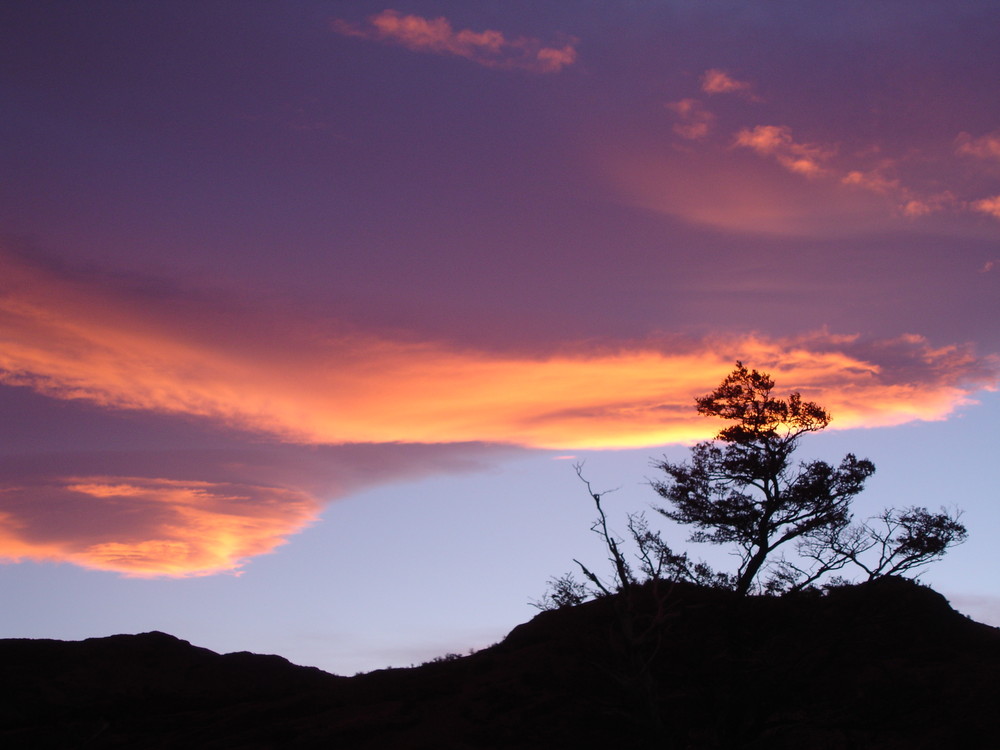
[{"x": 887, "y": 664}]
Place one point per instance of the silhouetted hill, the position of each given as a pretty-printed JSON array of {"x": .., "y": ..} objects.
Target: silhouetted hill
[{"x": 882, "y": 665}]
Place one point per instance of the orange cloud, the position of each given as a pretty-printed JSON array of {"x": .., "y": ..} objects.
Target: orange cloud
[
  {"x": 984, "y": 147},
  {"x": 185, "y": 512},
  {"x": 148, "y": 527},
  {"x": 69, "y": 340},
  {"x": 717, "y": 81},
  {"x": 694, "y": 121},
  {"x": 776, "y": 141},
  {"x": 437, "y": 36}
]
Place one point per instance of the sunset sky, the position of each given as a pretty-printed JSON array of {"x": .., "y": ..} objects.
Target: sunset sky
[{"x": 307, "y": 309}]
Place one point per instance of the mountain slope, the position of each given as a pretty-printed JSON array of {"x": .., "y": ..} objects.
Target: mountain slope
[{"x": 882, "y": 665}]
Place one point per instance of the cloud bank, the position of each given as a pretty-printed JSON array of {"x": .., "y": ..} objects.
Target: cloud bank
[
  {"x": 309, "y": 393},
  {"x": 71, "y": 340}
]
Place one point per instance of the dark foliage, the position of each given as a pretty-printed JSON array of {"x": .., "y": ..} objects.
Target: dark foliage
[
  {"x": 743, "y": 489},
  {"x": 791, "y": 524}
]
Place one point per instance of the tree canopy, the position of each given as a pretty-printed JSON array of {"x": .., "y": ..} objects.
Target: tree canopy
[
  {"x": 791, "y": 523},
  {"x": 742, "y": 487}
]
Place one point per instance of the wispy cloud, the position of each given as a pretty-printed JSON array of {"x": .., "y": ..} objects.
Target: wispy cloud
[
  {"x": 984, "y": 147},
  {"x": 715, "y": 81},
  {"x": 693, "y": 120},
  {"x": 989, "y": 206},
  {"x": 916, "y": 206},
  {"x": 915, "y": 184},
  {"x": 873, "y": 180},
  {"x": 71, "y": 341},
  {"x": 437, "y": 36},
  {"x": 776, "y": 141},
  {"x": 818, "y": 161}
]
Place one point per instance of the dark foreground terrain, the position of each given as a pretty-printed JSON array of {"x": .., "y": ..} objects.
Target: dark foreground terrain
[{"x": 881, "y": 665}]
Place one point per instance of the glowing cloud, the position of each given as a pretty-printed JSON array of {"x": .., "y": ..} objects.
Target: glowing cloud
[
  {"x": 984, "y": 147},
  {"x": 437, "y": 36},
  {"x": 317, "y": 394},
  {"x": 185, "y": 512},
  {"x": 776, "y": 141},
  {"x": 717, "y": 81},
  {"x": 909, "y": 203},
  {"x": 989, "y": 206},
  {"x": 146, "y": 527},
  {"x": 915, "y": 207},
  {"x": 69, "y": 341},
  {"x": 872, "y": 180},
  {"x": 694, "y": 121},
  {"x": 717, "y": 190}
]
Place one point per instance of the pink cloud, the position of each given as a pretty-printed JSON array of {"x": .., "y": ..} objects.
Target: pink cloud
[
  {"x": 916, "y": 206},
  {"x": 715, "y": 81},
  {"x": 984, "y": 147},
  {"x": 693, "y": 120},
  {"x": 872, "y": 180},
  {"x": 910, "y": 203},
  {"x": 990, "y": 206},
  {"x": 489, "y": 48},
  {"x": 776, "y": 141},
  {"x": 706, "y": 185}
]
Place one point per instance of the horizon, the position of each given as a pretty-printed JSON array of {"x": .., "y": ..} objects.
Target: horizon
[{"x": 307, "y": 311}]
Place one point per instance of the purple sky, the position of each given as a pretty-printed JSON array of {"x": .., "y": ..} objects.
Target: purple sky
[{"x": 302, "y": 305}]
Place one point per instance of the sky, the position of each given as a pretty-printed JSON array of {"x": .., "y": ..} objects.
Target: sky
[{"x": 307, "y": 310}]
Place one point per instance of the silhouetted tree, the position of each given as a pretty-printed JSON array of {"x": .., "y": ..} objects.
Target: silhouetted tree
[
  {"x": 742, "y": 488},
  {"x": 640, "y": 618},
  {"x": 563, "y": 591},
  {"x": 892, "y": 543}
]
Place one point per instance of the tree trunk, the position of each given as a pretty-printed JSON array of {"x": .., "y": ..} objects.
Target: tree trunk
[{"x": 745, "y": 581}]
